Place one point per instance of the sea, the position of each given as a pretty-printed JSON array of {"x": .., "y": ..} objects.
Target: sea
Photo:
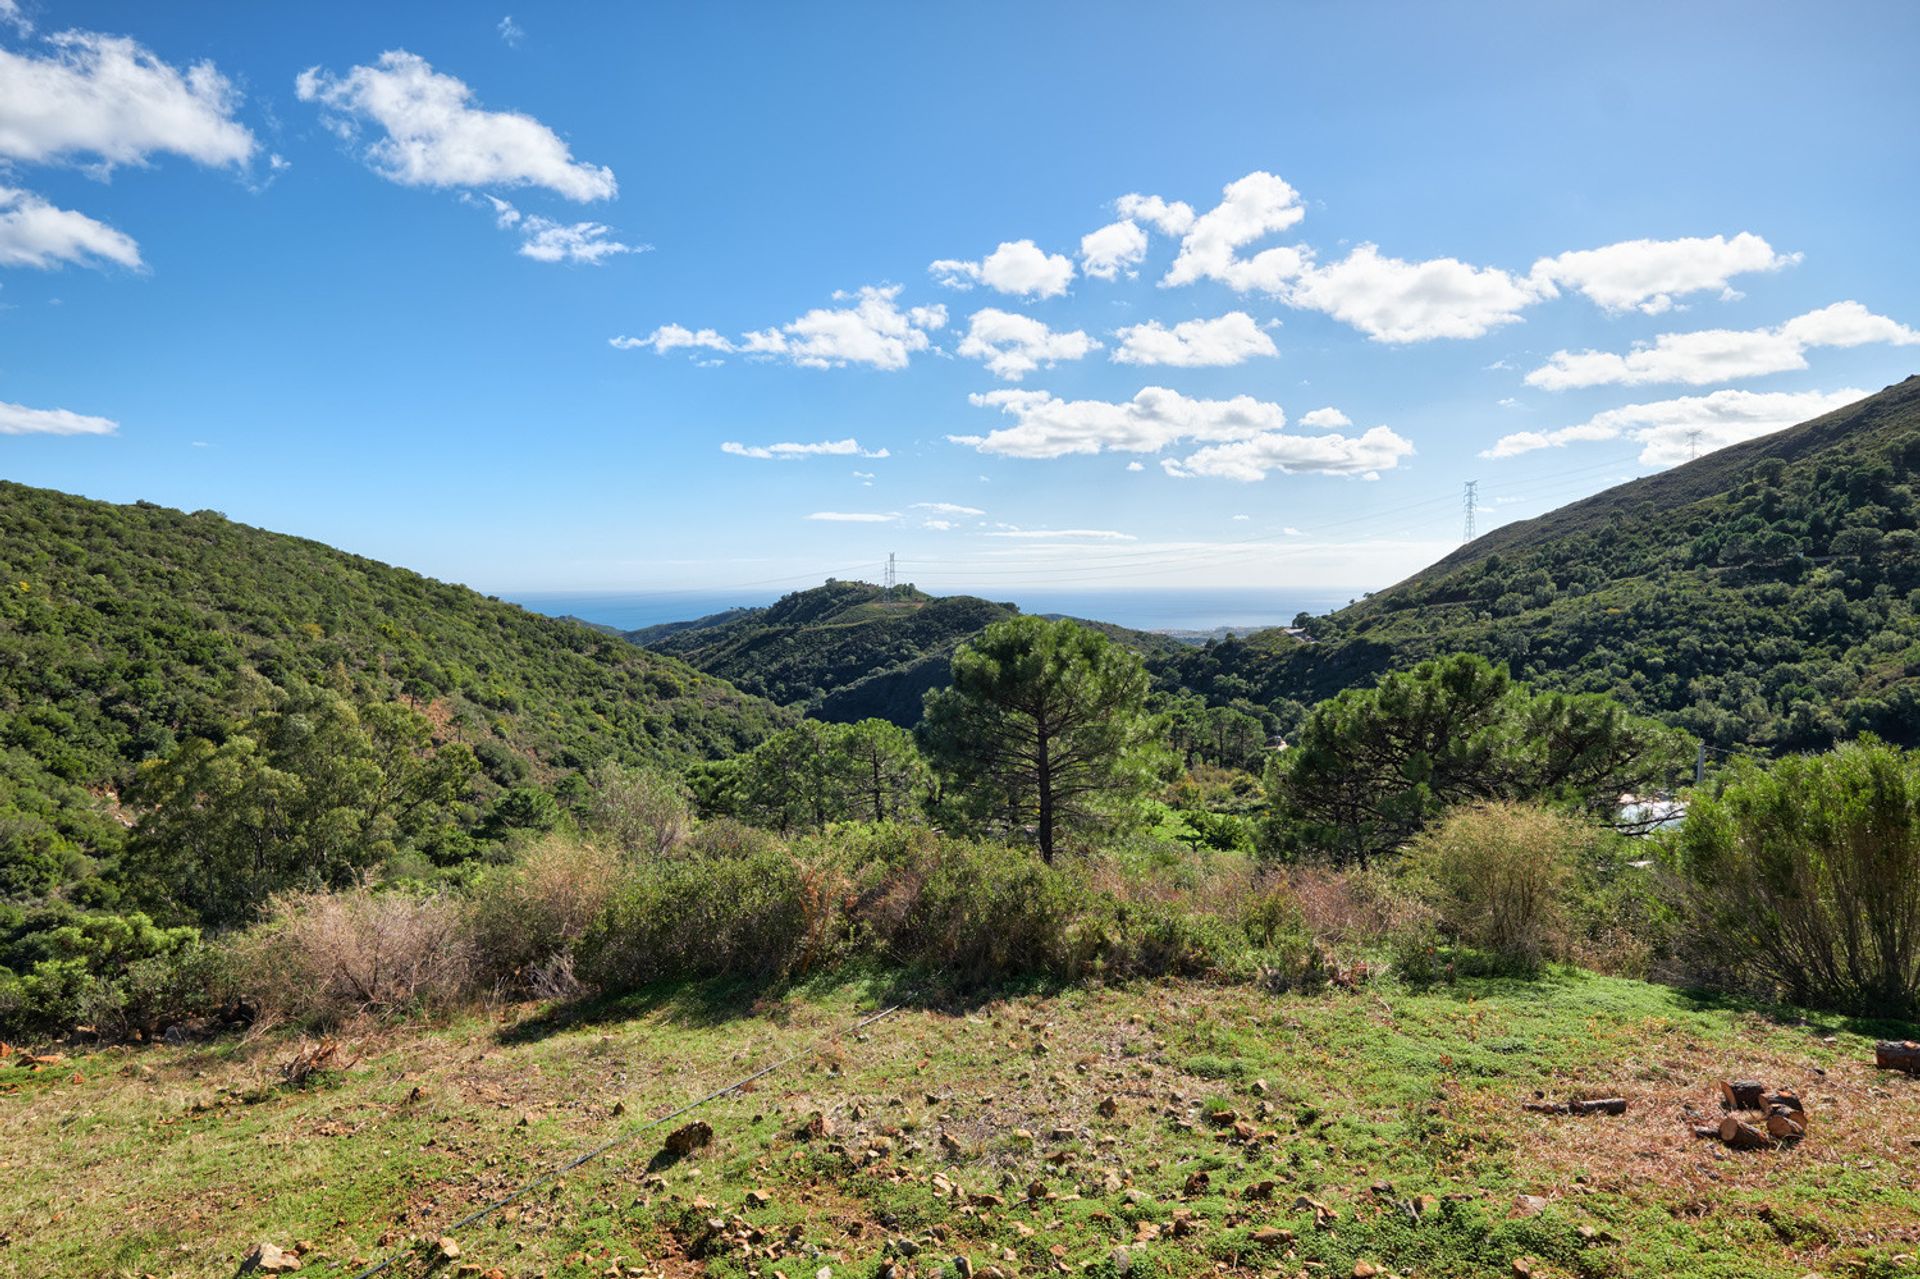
[{"x": 1173, "y": 609}]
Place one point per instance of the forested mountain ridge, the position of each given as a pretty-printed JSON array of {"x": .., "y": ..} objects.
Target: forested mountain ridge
[
  {"x": 1764, "y": 595},
  {"x": 126, "y": 630},
  {"x": 845, "y": 651}
]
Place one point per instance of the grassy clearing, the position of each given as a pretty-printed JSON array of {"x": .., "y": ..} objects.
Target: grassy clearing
[{"x": 173, "y": 1161}]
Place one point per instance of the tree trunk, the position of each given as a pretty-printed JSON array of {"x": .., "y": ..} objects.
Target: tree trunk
[
  {"x": 1043, "y": 776},
  {"x": 1894, "y": 1054}
]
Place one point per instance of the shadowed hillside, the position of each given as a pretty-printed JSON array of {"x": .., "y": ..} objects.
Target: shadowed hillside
[{"x": 846, "y": 651}]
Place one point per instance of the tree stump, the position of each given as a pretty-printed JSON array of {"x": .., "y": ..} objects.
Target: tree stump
[
  {"x": 1742, "y": 1094},
  {"x": 682, "y": 1142}
]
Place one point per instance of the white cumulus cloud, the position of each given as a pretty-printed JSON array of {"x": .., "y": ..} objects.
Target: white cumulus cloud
[
  {"x": 1228, "y": 339},
  {"x": 872, "y": 330},
  {"x": 107, "y": 101},
  {"x": 1647, "y": 275},
  {"x": 1722, "y": 355},
  {"x": 1047, "y": 426},
  {"x": 1375, "y": 450},
  {"x": 1245, "y": 436},
  {"x": 18, "y": 419},
  {"x": 1169, "y": 217},
  {"x": 1115, "y": 248},
  {"x": 1392, "y": 300},
  {"x": 855, "y": 517},
  {"x": 1672, "y": 431},
  {"x": 1396, "y": 300},
  {"x": 1251, "y": 208},
  {"x": 1017, "y": 267},
  {"x": 1328, "y": 418},
  {"x": 37, "y": 234},
  {"x": 435, "y": 136},
  {"x": 1015, "y": 345}
]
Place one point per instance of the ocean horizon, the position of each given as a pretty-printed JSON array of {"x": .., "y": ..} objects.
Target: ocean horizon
[{"x": 1144, "y": 608}]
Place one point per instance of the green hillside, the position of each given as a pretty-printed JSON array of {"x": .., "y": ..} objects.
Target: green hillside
[
  {"x": 1764, "y": 595},
  {"x": 844, "y": 651},
  {"x": 126, "y": 630}
]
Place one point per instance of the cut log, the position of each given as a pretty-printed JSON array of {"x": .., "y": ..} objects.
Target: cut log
[
  {"x": 1897, "y": 1054},
  {"x": 1785, "y": 1097},
  {"x": 1742, "y": 1094},
  {"x": 1784, "y": 1124},
  {"x": 1597, "y": 1106},
  {"x": 1742, "y": 1135}
]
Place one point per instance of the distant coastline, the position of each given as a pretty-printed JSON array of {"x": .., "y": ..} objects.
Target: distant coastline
[{"x": 1177, "y": 610}]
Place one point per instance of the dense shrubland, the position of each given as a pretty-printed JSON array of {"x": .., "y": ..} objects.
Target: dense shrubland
[
  {"x": 331, "y": 850},
  {"x": 315, "y": 864},
  {"x": 1767, "y": 595},
  {"x": 1371, "y": 768},
  {"x": 196, "y": 715}
]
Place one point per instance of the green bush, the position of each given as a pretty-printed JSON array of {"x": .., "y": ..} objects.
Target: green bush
[
  {"x": 116, "y": 973},
  {"x": 1497, "y": 876},
  {"x": 986, "y": 912},
  {"x": 525, "y": 917},
  {"x": 638, "y": 810},
  {"x": 1804, "y": 877},
  {"x": 760, "y": 914}
]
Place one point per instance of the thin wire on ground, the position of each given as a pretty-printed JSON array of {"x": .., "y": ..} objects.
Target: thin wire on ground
[{"x": 554, "y": 1174}]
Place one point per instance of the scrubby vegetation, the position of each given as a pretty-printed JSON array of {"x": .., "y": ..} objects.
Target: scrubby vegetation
[
  {"x": 848, "y": 651},
  {"x": 196, "y": 715},
  {"x": 1372, "y": 767},
  {"x": 323, "y": 863},
  {"x": 239, "y": 821},
  {"x": 1762, "y": 596},
  {"x": 1806, "y": 877}
]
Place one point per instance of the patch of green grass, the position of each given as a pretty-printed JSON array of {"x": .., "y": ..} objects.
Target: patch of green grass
[{"x": 1396, "y": 1110}]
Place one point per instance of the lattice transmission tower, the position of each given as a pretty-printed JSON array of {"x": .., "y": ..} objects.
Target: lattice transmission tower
[{"x": 1472, "y": 503}]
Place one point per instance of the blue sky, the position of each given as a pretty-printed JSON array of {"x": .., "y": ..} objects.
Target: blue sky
[{"x": 420, "y": 281}]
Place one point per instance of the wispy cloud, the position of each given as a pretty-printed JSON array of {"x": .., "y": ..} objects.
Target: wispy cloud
[
  {"x": 870, "y": 329},
  {"x": 792, "y": 451},
  {"x": 18, "y": 419},
  {"x": 856, "y": 517},
  {"x": 1672, "y": 431}
]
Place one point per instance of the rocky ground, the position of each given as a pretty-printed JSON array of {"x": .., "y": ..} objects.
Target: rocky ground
[{"x": 1162, "y": 1130}]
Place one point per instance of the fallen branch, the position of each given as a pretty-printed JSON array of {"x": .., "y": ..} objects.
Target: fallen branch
[{"x": 1598, "y": 1106}]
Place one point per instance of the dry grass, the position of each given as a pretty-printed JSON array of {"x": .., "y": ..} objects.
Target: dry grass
[
  {"x": 323, "y": 958},
  {"x": 172, "y": 1161}
]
